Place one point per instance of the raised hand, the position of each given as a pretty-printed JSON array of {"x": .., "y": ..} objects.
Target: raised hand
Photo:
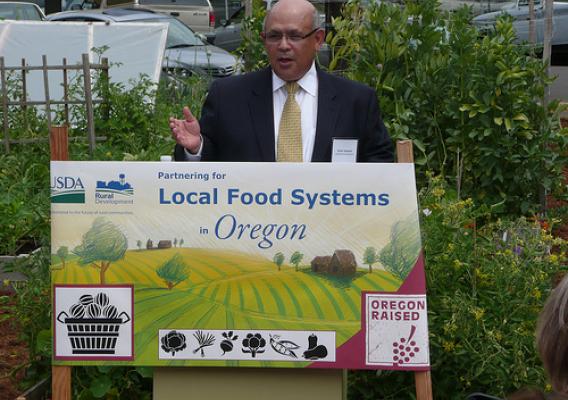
[{"x": 186, "y": 132}]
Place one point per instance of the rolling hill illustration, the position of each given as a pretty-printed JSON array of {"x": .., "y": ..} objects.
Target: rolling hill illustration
[{"x": 192, "y": 288}]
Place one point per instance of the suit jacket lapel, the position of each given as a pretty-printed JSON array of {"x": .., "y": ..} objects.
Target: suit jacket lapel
[
  {"x": 262, "y": 114},
  {"x": 328, "y": 107}
]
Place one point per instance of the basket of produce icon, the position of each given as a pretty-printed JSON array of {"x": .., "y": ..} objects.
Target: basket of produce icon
[{"x": 94, "y": 324}]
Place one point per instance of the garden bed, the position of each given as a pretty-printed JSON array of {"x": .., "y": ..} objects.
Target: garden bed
[
  {"x": 13, "y": 350},
  {"x": 6, "y": 263}
]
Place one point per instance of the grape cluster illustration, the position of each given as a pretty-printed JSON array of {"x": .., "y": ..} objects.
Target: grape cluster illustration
[
  {"x": 405, "y": 349},
  {"x": 93, "y": 307}
]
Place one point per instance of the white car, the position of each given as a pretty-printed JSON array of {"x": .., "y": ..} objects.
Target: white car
[
  {"x": 520, "y": 14},
  {"x": 197, "y": 14},
  {"x": 186, "y": 53},
  {"x": 20, "y": 11}
]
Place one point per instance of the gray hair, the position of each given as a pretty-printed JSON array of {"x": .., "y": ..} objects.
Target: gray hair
[{"x": 552, "y": 337}]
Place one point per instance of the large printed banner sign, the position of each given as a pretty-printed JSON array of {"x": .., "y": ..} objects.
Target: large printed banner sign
[{"x": 244, "y": 265}]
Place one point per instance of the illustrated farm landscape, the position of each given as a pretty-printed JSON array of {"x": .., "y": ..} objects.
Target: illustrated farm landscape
[{"x": 153, "y": 283}]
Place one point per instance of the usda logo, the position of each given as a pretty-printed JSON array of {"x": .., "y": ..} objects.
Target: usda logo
[{"x": 67, "y": 189}]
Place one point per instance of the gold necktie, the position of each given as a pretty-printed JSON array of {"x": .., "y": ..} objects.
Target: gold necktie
[{"x": 290, "y": 132}]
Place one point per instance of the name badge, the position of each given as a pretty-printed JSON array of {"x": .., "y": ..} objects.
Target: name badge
[{"x": 344, "y": 150}]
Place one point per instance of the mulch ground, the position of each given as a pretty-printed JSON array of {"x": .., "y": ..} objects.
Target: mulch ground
[{"x": 13, "y": 351}]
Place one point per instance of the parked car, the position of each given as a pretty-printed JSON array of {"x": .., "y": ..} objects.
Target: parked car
[
  {"x": 20, "y": 11},
  {"x": 197, "y": 14},
  {"x": 186, "y": 53},
  {"x": 224, "y": 9},
  {"x": 520, "y": 14},
  {"x": 228, "y": 35}
]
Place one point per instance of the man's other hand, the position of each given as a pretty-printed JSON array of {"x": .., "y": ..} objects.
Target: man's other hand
[{"x": 186, "y": 132}]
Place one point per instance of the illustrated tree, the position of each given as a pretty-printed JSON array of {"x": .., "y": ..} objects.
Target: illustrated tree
[
  {"x": 175, "y": 242},
  {"x": 278, "y": 259},
  {"x": 370, "y": 256},
  {"x": 173, "y": 271},
  {"x": 139, "y": 244},
  {"x": 63, "y": 253},
  {"x": 181, "y": 242},
  {"x": 400, "y": 254},
  {"x": 296, "y": 259},
  {"x": 103, "y": 244}
]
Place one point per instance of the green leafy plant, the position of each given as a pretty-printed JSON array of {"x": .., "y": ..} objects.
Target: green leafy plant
[
  {"x": 473, "y": 107},
  {"x": 32, "y": 314},
  {"x": 487, "y": 282},
  {"x": 24, "y": 204},
  {"x": 252, "y": 48},
  {"x": 109, "y": 383},
  {"x": 25, "y": 207}
]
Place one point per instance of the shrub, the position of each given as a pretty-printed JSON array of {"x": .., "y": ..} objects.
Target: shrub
[
  {"x": 137, "y": 130},
  {"x": 24, "y": 200},
  {"x": 486, "y": 285},
  {"x": 472, "y": 106},
  {"x": 252, "y": 48},
  {"x": 32, "y": 313}
]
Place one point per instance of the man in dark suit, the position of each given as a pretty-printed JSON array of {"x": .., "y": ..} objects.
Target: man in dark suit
[{"x": 247, "y": 117}]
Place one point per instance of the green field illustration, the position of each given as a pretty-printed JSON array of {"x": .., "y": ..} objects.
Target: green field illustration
[
  {"x": 178, "y": 287},
  {"x": 230, "y": 290}
]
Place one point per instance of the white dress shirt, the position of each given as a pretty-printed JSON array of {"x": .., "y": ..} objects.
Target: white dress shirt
[{"x": 307, "y": 99}]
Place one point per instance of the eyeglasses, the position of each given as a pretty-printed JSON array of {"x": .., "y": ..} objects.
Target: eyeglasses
[{"x": 274, "y": 37}]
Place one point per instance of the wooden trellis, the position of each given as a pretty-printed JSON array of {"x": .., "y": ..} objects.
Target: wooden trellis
[{"x": 86, "y": 67}]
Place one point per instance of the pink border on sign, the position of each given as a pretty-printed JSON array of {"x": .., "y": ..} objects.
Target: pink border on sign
[
  {"x": 351, "y": 354},
  {"x": 96, "y": 358}
]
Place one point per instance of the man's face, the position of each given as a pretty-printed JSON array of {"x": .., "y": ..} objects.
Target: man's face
[{"x": 290, "y": 54}]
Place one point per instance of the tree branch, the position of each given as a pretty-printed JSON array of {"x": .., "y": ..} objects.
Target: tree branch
[{"x": 94, "y": 265}]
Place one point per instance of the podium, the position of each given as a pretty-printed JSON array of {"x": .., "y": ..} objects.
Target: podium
[
  {"x": 249, "y": 383},
  {"x": 269, "y": 383},
  {"x": 316, "y": 379}
]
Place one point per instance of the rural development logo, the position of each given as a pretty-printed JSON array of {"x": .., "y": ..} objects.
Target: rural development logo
[
  {"x": 67, "y": 189},
  {"x": 114, "y": 191}
]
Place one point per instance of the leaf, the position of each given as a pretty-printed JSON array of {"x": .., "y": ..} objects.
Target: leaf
[
  {"x": 105, "y": 369},
  {"x": 521, "y": 117},
  {"x": 419, "y": 144},
  {"x": 100, "y": 386},
  {"x": 498, "y": 121},
  {"x": 43, "y": 342},
  {"x": 145, "y": 372},
  {"x": 508, "y": 124}
]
